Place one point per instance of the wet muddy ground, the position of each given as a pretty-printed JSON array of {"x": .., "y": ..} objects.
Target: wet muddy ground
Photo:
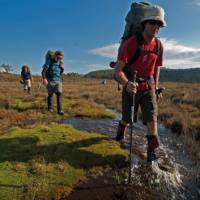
[{"x": 174, "y": 176}]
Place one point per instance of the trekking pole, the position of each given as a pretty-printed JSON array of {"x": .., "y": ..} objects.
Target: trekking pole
[{"x": 133, "y": 79}]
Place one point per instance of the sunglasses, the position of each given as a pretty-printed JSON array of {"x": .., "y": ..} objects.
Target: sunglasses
[{"x": 155, "y": 22}]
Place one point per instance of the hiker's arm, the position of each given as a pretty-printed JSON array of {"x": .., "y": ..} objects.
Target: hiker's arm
[
  {"x": 157, "y": 76},
  {"x": 119, "y": 74},
  {"x": 22, "y": 77},
  {"x": 62, "y": 67},
  {"x": 45, "y": 67},
  {"x": 122, "y": 79}
]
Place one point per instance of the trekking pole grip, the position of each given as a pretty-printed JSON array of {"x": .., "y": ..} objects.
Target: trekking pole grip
[{"x": 134, "y": 75}]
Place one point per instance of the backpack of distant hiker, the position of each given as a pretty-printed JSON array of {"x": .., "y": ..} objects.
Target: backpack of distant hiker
[
  {"x": 49, "y": 57},
  {"x": 133, "y": 27}
]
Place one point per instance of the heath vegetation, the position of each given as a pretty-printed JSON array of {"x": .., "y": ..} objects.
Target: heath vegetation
[{"x": 41, "y": 160}]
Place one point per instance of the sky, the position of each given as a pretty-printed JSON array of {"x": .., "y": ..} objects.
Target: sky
[{"x": 89, "y": 31}]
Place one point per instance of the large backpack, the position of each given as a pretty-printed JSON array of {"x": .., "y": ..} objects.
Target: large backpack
[
  {"x": 49, "y": 60},
  {"x": 133, "y": 18},
  {"x": 50, "y": 55},
  {"x": 133, "y": 27}
]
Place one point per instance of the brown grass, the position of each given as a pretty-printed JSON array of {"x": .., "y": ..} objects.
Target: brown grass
[{"x": 179, "y": 109}]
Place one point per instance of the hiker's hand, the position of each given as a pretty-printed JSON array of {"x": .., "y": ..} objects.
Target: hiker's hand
[
  {"x": 159, "y": 95},
  {"x": 45, "y": 82},
  {"x": 131, "y": 87}
]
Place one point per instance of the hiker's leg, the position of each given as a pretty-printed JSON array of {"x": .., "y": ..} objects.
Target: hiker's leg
[
  {"x": 149, "y": 114},
  {"x": 152, "y": 141},
  {"x": 49, "y": 102},
  {"x": 59, "y": 101},
  {"x": 25, "y": 85},
  {"x": 29, "y": 85},
  {"x": 29, "y": 90},
  {"x": 126, "y": 115},
  {"x": 59, "y": 98},
  {"x": 50, "y": 95}
]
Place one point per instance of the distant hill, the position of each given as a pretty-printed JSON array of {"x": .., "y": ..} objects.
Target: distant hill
[
  {"x": 171, "y": 75},
  {"x": 104, "y": 74}
]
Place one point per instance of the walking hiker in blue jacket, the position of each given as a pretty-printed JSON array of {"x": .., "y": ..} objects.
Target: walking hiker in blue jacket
[{"x": 51, "y": 74}]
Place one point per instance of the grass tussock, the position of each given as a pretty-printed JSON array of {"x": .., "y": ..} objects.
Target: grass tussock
[
  {"x": 37, "y": 163},
  {"x": 82, "y": 97}
]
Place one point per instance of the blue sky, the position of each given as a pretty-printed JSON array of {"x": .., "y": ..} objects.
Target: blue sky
[{"x": 88, "y": 31}]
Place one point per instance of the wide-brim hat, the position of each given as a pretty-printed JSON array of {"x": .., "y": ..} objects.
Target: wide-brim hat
[{"x": 155, "y": 13}]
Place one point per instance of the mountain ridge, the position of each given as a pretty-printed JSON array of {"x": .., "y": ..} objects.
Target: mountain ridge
[{"x": 171, "y": 75}]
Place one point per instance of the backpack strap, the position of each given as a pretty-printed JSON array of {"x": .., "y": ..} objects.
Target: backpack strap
[
  {"x": 136, "y": 54},
  {"x": 138, "y": 51},
  {"x": 158, "y": 46}
]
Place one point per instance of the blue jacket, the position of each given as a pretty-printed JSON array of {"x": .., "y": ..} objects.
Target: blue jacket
[
  {"x": 52, "y": 72},
  {"x": 25, "y": 75}
]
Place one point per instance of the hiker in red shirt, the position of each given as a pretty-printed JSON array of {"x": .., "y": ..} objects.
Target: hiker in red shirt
[{"x": 147, "y": 66}]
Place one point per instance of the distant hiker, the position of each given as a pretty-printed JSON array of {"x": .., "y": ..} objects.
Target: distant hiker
[
  {"x": 104, "y": 82},
  {"x": 51, "y": 74},
  {"x": 26, "y": 78},
  {"x": 147, "y": 63}
]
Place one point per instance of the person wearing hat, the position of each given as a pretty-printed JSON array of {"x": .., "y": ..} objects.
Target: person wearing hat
[
  {"x": 51, "y": 74},
  {"x": 26, "y": 78},
  {"x": 147, "y": 66}
]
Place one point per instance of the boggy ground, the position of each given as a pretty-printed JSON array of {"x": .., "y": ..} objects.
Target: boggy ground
[
  {"x": 179, "y": 111},
  {"x": 174, "y": 176}
]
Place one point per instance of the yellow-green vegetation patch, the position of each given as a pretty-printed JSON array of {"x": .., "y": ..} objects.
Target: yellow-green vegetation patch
[
  {"x": 27, "y": 103},
  {"x": 87, "y": 108},
  {"x": 66, "y": 104},
  {"x": 38, "y": 162},
  {"x": 21, "y": 105}
]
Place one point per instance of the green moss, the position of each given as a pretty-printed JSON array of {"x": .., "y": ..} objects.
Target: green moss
[{"x": 42, "y": 159}]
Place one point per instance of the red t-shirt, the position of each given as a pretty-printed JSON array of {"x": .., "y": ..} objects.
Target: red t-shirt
[{"x": 146, "y": 63}]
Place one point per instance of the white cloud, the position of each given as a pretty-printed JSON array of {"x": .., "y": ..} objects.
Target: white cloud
[
  {"x": 197, "y": 2},
  {"x": 180, "y": 56},
  {"x": 175, "y": 54},
  {"x": 109, "y": 51}
]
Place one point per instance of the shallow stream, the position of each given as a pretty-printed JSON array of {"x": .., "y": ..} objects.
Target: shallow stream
[{"x": 175, "y": 173}]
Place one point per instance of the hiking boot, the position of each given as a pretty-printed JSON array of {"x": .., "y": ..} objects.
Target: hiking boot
[
  {"x": 151, "y": 156},
  {"x": 60, "y": 112},
  {"x": 120, "y": 132},
  {"x": 153, "y": 143}
]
